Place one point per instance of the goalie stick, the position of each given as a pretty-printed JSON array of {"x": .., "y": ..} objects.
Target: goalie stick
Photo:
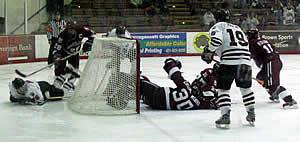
[{"x": 43, "y": 68}]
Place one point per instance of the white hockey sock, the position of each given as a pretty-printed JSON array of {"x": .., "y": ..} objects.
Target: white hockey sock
[{"x": 59, "y": 81}]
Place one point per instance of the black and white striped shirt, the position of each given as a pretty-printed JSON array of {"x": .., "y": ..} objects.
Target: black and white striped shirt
[
  {"x": 231, "y": 44},
  {"x": 55, "y": 28}
]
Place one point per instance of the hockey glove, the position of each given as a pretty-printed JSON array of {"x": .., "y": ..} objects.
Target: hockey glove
[
  {"x": 87, "y": 46},
  {"x": 215, "y": 69},
  {"x": 270, "y": 57},
  {"x": 207, "y": 55},
  {"x": 170, "y": 63},
  {"x": 57, "y": 56}
]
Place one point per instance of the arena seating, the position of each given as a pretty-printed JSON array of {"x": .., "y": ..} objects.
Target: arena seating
[{"x": 183, "y": 15}]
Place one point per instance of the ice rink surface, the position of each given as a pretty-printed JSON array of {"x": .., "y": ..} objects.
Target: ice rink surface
[{"x": 54, "y": 122}]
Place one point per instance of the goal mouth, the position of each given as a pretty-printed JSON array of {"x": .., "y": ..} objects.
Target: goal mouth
[
  {"x": 109, "y": 83},
  {"x": 101, "y": 107}
]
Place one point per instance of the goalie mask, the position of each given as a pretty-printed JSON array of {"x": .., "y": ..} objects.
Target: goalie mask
[
  {"x": 120, "y": 30},
  {"x": 222, "y": 15}
]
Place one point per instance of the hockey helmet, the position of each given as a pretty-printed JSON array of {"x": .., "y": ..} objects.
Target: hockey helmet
[
  {"x": 222, "y": 15},
  {"x": 18, "y": 83},
  {"x": 252, "y": 34},
  {"x": 120, "y": 30},
  {"x": 196, "y": 87}
]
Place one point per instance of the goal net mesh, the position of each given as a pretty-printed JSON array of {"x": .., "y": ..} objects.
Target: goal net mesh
[{"x": 108, "y": 83}]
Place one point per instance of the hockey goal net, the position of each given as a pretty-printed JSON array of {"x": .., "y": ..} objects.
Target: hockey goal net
[{"x": 109, "y": 82}]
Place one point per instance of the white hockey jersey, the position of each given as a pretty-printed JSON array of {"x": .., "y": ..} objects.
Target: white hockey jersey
[
  {"x": 231, "y": 44},
  {"x": 32, "y": 93}
]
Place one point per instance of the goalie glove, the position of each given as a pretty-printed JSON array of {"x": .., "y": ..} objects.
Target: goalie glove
[
  {"x": 207, "y": 55},
  {"x": 170, "y": 63},
  {"x": 87, "y": 46}
]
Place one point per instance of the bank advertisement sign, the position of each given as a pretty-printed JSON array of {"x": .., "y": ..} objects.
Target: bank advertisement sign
[
  {"x": 161, "y": 43},
  {"x": 16, "y": 48},
  {"x": 283, "y": 41}
]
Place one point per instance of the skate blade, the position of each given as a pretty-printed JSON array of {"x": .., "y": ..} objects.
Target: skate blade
[
  {"x": 274, "y": 101},
  {"x": 291, "y": 107},
  {"x": 223, "y": 126},
  {"x": 252, "y": 123}
]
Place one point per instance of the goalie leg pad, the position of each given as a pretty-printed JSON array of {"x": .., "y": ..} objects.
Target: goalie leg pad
[{"x": 153, "y": 95}]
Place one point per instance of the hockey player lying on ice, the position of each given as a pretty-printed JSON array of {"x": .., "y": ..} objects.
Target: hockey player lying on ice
[
  {"x": 200, "y": 94},
  {"x": 33, "y": 93}
]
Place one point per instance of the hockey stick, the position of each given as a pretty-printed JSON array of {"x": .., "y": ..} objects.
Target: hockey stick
[
  {"x": 43, "y": 68},
  {"x": 60, "y": 97},
  {"x": 258, "y": 80}
]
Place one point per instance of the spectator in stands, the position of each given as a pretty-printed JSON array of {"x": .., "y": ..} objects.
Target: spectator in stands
[
  {"x": 257, "y": 4},
  {"x": 277, "y": 13},
  {"x": 244, "y": 24},
  {"x": 227, "y": 4},
  {"x": 288, "y": 14},
  {"x": 135, "y": 3},
  {"x": 162, "y": 4},
  {"x": 252, "y": 21},
  {"x": 244, "y": 3},
  {"x": 209, "y": 19},
  {"x": 151, "y": 10}
]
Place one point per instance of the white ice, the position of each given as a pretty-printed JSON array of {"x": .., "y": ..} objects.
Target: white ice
[{"x": 54, "y": 122}]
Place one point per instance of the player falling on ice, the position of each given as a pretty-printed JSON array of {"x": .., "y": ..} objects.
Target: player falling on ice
[
  {"x": 267, "y": 59},
  {"x": 33, "y": 92},
  {"x": 69, "y": 42},
  {"x": 231, "y": 45},
  {"x": 200, "y": 94}
]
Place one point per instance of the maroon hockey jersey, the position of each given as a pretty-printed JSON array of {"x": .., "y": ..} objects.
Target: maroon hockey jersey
[
  {"x": 182, "y": 97},
  {"x": 260, "y": 48},
  {"x": 69, "y": 40}
]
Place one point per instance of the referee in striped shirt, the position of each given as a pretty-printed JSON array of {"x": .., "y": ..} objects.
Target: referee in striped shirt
[{"x": 55, "y": 27}]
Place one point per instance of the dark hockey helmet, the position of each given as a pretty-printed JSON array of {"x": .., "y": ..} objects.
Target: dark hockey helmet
[
  {"x": 18, "y": 83},
  {"x": 222, "y": 15},
  {"x": 120, "y": 30},
  {"x": 196, "y": 87},
  {"x": 252, "y": 34}
]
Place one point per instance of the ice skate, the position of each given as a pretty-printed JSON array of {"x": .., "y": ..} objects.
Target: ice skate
[
  {"x": 290, "y": 105},
  {"x": 251, "y": 117},
  {"x": 224, "y": 121},
  {"x": 274, "y": 98}
]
